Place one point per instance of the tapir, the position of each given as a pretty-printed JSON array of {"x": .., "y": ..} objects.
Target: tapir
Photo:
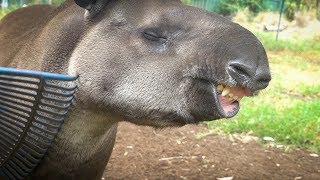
[{"x": 156, "y": 63}]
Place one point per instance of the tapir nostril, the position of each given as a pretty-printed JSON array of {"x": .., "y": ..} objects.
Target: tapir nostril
[
  {"x": 263, "y": 80},
  {"x": 240, "y": 72},
  {"x": 244, "y": 74}
]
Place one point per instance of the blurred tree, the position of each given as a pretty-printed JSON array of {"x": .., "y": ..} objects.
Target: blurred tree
[
  {"x": 301, "y": 5},
  {"x": 290, "y": 9}
]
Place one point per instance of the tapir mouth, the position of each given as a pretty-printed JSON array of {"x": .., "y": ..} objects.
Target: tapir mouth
[{"x": 228, "y": 99}]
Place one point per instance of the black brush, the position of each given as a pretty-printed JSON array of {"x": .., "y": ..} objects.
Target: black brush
[{"x": 33, "y": 106}]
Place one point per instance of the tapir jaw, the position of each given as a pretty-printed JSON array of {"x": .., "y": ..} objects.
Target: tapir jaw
[{"x": 207, "y": 100}]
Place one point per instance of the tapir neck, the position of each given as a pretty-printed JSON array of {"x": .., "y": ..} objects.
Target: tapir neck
[{"x": 82, "y": 148}]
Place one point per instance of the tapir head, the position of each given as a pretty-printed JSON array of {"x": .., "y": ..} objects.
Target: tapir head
[{"x": 162, "y": 63}]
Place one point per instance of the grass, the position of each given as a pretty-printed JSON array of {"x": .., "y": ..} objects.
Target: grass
[
  {"x": 295, "y": 45},
  {"x": 289, "y": 109}
]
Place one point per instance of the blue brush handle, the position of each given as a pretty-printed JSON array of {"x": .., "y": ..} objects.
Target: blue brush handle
[{"x": 31, "y": 73}]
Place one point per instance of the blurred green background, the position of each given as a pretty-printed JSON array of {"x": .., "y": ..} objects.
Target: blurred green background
[{"x": 288, "y": 111}]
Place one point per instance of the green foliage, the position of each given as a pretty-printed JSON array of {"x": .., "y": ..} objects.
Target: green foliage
[
  {"x": 57, "y": 2},
  {"x": 290, "y": 11},
  {"x": 19, "y": 3},
  {"x": 3, "y": 12},
  {"x": 300, "y": 5},
  {"x": 228, "y": 7},
  {"x": 15, "y": 5},
  {"x": 186, "y": 1}
]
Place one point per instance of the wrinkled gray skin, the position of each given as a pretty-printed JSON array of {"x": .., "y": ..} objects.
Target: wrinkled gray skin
[{"x": 150, "y": 62}]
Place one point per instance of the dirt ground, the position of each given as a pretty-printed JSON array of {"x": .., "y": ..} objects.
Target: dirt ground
[{"x": 176, "y": 153}]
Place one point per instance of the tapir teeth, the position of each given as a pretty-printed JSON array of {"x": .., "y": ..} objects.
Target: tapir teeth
[
  {"x": 226, "y": 91},
  {"x": 220, "y": 88}
]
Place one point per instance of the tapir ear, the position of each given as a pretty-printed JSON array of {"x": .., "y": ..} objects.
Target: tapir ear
[{"x": 92, "y": 6}]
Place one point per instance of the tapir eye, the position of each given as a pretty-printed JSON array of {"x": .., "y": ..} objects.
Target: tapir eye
[{"x": 153, "y": 36}]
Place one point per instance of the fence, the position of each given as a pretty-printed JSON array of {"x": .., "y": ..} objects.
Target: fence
[{"x": 210, "y": 5}]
